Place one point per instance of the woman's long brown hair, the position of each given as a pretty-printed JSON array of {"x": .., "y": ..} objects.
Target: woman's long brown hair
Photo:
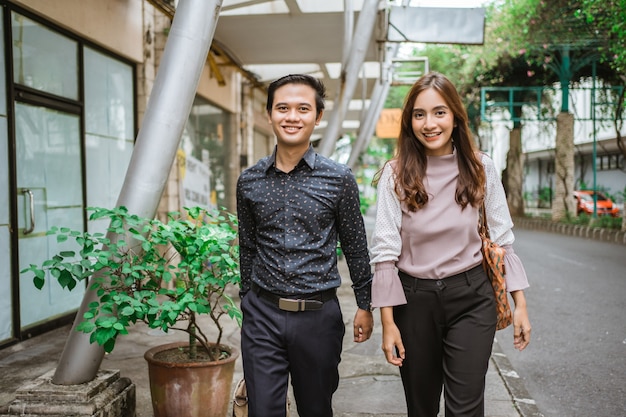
[{"x": 411, "y": 161}]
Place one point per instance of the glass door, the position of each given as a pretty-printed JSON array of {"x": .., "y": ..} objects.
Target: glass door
[{"x": 49, "y": 193}]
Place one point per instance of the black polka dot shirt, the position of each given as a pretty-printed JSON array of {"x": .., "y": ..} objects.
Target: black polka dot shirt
[{"x": 290, "y": 224}]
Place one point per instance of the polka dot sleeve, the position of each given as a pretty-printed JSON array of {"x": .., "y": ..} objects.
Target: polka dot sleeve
[{"x": 386, "y": 242}]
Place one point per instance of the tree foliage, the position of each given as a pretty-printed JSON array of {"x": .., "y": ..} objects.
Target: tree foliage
[
  {"x": 581, "y": 31},
  {"x": 608, "y": 19}
]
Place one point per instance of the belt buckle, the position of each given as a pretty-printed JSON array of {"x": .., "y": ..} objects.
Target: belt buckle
[{"x": 288, "y": 304}]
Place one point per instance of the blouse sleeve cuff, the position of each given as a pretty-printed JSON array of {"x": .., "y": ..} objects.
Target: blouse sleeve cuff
[
  {"x": 387, "y": 289},
  {"x": 515, "y": 273}
]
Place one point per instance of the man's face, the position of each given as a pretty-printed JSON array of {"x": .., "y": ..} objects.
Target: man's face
[{"x": 293, "y": 114}]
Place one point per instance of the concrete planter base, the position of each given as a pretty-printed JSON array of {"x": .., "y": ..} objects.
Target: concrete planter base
[{"x": 107, "y": 395}]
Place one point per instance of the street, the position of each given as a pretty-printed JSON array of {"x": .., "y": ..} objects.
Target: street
[{"x": 575, "y": 365}]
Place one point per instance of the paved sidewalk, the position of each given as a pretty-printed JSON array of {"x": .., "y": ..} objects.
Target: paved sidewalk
[{"x": 368, "y": 387}]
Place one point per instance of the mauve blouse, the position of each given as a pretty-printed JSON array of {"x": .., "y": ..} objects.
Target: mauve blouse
[{"x": 440, "y": 239}]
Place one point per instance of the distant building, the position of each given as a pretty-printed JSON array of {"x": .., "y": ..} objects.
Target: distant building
[{"x": 538, "y": 138}]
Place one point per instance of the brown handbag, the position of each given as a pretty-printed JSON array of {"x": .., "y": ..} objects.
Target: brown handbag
[
  {"x": 240, "y": 400},
  {"x": 493, "y": 262}
]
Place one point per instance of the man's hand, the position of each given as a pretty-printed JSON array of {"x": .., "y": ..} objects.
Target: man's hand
[{"x": 363, "y": 325}]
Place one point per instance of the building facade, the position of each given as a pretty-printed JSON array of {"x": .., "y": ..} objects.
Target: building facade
[{"x": 77, "y": 76}]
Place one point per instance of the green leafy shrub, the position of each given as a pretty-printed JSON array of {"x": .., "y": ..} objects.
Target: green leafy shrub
[{"x": 145, "y": 270}]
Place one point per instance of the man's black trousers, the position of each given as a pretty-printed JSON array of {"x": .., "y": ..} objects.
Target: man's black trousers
[{"x": 277, "y": 344}]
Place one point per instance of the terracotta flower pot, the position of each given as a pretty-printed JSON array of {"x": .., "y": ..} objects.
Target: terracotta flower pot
[{"x": 194, "y": 389}]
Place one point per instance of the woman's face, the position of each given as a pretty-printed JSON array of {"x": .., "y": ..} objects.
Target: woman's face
[{"x": 433, "y": 122}]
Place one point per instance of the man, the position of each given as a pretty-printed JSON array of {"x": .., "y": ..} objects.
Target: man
[{"x": 293, "y": 207}]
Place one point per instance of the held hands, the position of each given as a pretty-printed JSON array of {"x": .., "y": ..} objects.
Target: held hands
[{"x": 363, "y": 325}]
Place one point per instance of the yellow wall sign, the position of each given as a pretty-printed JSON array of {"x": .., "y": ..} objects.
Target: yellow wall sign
[{"x": 388, "y": 126}]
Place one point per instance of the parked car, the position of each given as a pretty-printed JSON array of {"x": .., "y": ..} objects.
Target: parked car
[{"x": 604, "y": 205}]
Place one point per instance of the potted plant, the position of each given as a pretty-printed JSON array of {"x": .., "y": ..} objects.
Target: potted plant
[{"x": 166, "y": 275}]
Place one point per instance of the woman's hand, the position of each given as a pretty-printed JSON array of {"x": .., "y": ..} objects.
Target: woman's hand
[
  {"x": 521, "y": 322},
  {"x": 392, "y": 341}
]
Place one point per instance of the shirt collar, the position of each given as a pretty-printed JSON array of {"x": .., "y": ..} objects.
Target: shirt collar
[{"x": 308, "y": 157}]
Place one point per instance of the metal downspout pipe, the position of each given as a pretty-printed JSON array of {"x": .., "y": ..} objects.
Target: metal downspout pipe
[
  {"x": 349, "y": 75},
  {"x": 377, "y": 102},
  {"x": 167, "y": 112},
  {"x": 348, "y": 21},
  {"x": 368, "y": 122}
]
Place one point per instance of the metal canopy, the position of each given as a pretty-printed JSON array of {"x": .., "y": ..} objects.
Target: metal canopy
[
  {"x": 286, "y": 39},
  {"x": 274, "y": 38},
  {"x": 434, "y": 24}
]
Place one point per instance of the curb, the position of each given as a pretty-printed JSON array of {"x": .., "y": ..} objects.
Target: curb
[
  {"x": 522, "y": 400},
  {"x": 593, "y": 233}
]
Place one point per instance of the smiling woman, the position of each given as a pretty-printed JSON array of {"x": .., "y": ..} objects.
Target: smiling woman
[{"x": 437, "y": 306}]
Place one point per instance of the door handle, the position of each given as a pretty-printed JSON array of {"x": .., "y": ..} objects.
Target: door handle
[{"x": 31, "y": 199}]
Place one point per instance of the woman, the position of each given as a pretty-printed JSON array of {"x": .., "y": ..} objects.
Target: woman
[{"x": 437, "y": 304}]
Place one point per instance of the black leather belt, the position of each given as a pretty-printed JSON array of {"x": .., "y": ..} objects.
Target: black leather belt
[
  {"x": 455, "y": 280},
  {"x": 298, "y": 302}
]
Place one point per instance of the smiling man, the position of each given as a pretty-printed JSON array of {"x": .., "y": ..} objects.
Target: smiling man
[{"x": 293, "y": 208}]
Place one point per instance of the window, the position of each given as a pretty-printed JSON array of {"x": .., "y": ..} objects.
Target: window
[
  {"x": 109, "y": 126},
  {"x": 43, "y": 59},
  {"x": 609, "y": 162},
  {"x": 202, "y": 144}
]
